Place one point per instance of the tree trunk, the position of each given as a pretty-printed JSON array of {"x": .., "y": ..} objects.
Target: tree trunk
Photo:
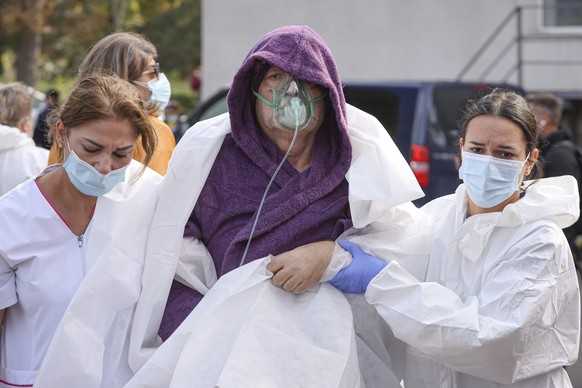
[
  {"x": 28, "y": 55},
  {"x": 27, "y": 58},
  {"x": 118, "y": 11}
]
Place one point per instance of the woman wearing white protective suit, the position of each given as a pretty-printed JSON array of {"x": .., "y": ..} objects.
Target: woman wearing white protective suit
[{"x": 500, "y": 304}]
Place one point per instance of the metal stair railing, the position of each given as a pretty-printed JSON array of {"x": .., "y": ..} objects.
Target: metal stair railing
[
  {"x": 518, "y": 41},
  {"x": 488, "y": 43}
]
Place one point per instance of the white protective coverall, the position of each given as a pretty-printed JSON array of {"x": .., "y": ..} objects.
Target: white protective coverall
[
  {"x": 244, "y": 316},
  {"x": 20, "y": 158},
  {"x": 500, "y": 304}
]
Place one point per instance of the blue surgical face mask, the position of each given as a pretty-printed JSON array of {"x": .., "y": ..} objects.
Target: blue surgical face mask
[
  {"x": 292, "y": 103},
  {"x": 489, "y": 181},
  {"x": 172, "y": 118},
  {"x": 87, "y": 179},
  {"x": 160, "y": 90}
]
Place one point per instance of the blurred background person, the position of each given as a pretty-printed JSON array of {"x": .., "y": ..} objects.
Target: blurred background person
[
  {"x": 20, "y": 158},
  {"x": 135, "y": 59},
  {"x": 196, "y": 79},
  {"x": 557, "y": 149},
  {"x": 173, "y": 113},
  {"x": 42, "y": 124}
]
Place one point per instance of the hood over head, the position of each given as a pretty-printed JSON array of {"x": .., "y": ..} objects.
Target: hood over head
[
  {"x": 12, "y": 137},
  {"x": 554, "y": 199},
  {"x": 300, "y": 52}
]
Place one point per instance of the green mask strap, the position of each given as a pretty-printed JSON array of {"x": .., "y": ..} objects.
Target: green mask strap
[
  {"x": 312, "y": 102},
  {"x": 272, "y": 104}
]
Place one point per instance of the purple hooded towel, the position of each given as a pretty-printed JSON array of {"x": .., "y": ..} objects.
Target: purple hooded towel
[{"x": 300, "y": 208}]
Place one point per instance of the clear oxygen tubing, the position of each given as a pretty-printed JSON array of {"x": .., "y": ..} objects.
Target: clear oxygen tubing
[{"x": 295, "y": 107}]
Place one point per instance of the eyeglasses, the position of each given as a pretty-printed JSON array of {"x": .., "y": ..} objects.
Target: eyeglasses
[{"x": 156, "y": 69}]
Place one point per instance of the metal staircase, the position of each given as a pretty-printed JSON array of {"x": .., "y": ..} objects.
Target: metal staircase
[{"x": 524, "y": 21}]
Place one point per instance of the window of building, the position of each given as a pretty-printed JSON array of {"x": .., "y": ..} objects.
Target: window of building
[{"x": 562, "y": 13}]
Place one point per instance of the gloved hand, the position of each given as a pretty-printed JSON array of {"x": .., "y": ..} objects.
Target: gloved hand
[{"x": 354, "y": 279}]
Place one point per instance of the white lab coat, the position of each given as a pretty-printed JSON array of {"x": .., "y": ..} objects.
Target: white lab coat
[
  {"x": 381, "y": 184},
  {"x": 41, "y": 265},
  {"x": 90, "y": 342},
  {"x": 20, "y": 158},
  {"x": 500, "y": 303}
]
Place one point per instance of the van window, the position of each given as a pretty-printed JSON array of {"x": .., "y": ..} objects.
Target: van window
[
  {"x": 449, "y": 102},
  {"x": 382, "y": 104},
  {"x": 219, "y": 107}
]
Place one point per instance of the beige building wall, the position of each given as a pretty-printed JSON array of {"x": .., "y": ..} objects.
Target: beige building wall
[{"x": 378, "y": 40}]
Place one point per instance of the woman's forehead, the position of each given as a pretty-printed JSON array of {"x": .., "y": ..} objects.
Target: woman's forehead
[
  {"x": 274, "y": 69},
  {"x": 494, "y": 129}
]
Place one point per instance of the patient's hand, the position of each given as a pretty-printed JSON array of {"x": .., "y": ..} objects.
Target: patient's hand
[{"x": 301, "y": 268}]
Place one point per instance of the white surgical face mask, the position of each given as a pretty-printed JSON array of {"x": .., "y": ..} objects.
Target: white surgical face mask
[
  {"x": 160, "y": 90},
  {"x": 489, "y": 181},
  {"x": 87, "y": 179},
  {"x": 292, "y": 103}
]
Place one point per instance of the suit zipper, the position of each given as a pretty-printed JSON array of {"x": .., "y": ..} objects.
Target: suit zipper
[{"x": 80, "y": 243}]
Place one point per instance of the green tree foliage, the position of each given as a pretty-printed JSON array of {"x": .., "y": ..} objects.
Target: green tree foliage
[
  {"x": 70, "y": 27},
  {"x": 176, "y": 34},
  {"x": 21, "y": 28}
]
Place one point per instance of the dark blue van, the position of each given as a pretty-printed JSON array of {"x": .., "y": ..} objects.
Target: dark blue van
[{"x": 421, "y": 117}]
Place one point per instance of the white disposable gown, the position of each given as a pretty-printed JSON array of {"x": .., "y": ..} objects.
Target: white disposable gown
[{"x": 500, "y": 303}]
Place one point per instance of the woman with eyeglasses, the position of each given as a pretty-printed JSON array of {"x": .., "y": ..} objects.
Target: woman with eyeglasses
[
  {"x": 62, "y": 231},
  {"x": 135, "y": 59}
]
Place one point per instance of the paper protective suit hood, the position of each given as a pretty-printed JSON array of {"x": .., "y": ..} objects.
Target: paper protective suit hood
[
  {"x": 547, "y": 200},
  {"x": 554, "y": 200}
]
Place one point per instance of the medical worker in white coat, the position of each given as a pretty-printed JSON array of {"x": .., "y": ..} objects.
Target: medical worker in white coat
[
  {"x": 73, "y": 218},
  {"x": 500, "y": 304},
  {"x": 20, "y": 158}
]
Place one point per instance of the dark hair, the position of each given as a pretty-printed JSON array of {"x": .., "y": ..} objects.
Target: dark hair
[
  {"x": 98, "y": 97},
  {"x": 52, "y": 93},
  {"x": 549, "y": 103},
  {"x": 511, "y": 106}
]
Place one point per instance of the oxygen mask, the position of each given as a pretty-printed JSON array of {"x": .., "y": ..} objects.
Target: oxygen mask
[
  {"x": 292, "y": 108},
  {"x": 292, "y": 103}
]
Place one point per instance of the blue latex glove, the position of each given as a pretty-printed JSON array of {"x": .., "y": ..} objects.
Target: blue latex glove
[{"x": 354, "y": 279}]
